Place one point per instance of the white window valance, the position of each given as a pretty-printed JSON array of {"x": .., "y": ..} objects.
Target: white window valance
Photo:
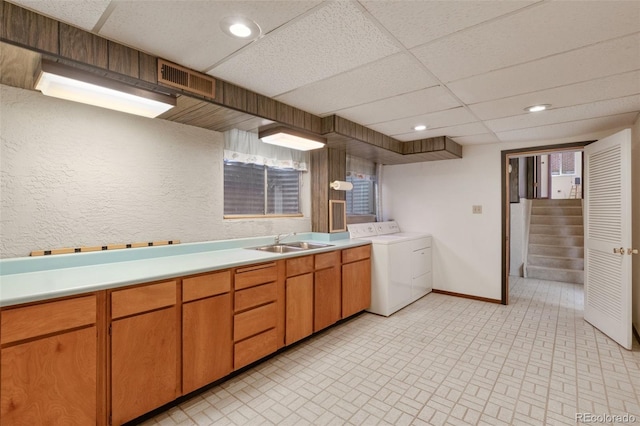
[
  {"x": 360, "y": 168},
  {"x": 245, "y": 147}
]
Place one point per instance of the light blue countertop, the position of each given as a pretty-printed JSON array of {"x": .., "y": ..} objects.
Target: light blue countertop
[{"x": 31, "y": 279}]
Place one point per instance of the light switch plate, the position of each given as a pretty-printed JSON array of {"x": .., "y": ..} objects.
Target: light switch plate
[{"x": 476, "y": 209}]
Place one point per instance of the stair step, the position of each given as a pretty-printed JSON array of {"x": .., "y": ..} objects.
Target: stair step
[
  {"x": 545, "y": 219},
  {"x": 557, "y": 210},
  {"x": 560, "y": 241},
  {"x": 545, "y": 250},
  {"x": 555, "y": 274},
  {"x": 557, "y": 262},
  {"x": 556, "y": 229},
  {"x": 556, "y": 202}
]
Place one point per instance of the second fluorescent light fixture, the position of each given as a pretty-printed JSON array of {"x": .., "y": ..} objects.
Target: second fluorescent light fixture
[
  {"x": 290, "y": 138},
  {"x": 65, "y": 82}
]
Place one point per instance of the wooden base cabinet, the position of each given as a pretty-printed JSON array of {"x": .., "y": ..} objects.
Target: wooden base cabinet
[
  {"x": 327, "y": 290},
  {"x": 299, "y": 308},
  {"x": 112, "y": 356},
  {"x": 49, "y": 364},
  {"x": 356, "y": 280},
  {"x": 144, "y": 350},
  {"x": 256, "y": 313},
  {"x": 207, "y": 344}
]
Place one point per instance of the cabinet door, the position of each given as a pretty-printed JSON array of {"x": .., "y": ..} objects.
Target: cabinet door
[
  {"x": 299, "y": 308},
  {"x": 143, "y": 363},
  {"x": 356, "y": 287},
  {"x": 326, "y": 298},
  {"x": 50, "y": 381},
  {"x": 207, "y": 346}
]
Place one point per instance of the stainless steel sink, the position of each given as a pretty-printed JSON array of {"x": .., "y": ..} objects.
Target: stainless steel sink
[
  {"x": 307, "y": 246},
  {"x": 278, "y": 248},
  {"x": 291, "y": 247}
]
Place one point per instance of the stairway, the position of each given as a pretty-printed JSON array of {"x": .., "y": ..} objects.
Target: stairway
[{"x": 556, "y": 241}]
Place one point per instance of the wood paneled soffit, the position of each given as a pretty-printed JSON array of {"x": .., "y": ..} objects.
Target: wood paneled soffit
[{"x": 232, "y": 106}]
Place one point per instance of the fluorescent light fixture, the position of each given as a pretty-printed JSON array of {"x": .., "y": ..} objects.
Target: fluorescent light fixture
[
  {"x": 420, "y": 127},
  {"x": 537, "y": 108},
  {"x": 65, "y": 82},
  {"x": 290, "y": 138},
  {"x": 240, "y": 27}
]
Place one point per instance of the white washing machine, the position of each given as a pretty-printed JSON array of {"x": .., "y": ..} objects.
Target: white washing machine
[{"x": 401, "y": 267}]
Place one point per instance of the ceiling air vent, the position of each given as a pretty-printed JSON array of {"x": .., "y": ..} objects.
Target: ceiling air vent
[{"x": 183, "y": 78}]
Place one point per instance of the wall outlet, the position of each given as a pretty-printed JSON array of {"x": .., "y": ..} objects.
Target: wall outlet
[{"x": 476, "y": 209}]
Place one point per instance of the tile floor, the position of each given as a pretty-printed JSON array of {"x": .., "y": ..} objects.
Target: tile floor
[{"x": 442, "y": 360}]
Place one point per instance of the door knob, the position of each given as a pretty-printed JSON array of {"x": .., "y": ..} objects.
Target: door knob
[{"x": 632, "y": 251}]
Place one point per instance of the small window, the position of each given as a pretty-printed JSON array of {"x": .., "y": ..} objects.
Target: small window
[
  {"x": 361, "y": 200},
  {"x": 257, "y": 190},
  {"x": 562, "y": 163}
]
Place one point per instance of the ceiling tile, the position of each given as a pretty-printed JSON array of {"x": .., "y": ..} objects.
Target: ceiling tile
[
  {"x": 407, "y": 105},
  {"x": 603, "y": 59},
  {"x": 483, "y": 138},
  {"x": 330, "y": 40},
  {"x": 418, "y": 22},
  {"x": 581, "y": 130},
  {"x": 80, "y": 13},
  {"x": 610, "y": 87},
  {"x": 188, "y": 32},
  {"x": 391, "y": 76},
  {"x": 553, "y": 27},
  {"x": 563, "y": 115}
]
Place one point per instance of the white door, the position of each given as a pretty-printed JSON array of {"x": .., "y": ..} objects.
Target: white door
[{"x": 607, "y": 236}]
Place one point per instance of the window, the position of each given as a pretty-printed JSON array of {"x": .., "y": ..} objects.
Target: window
[
  {"x": 361, "y": 199},
  {"x": 562, "y": 163},
  {"x": 261, "y": 179},
  {"x": 253, "y": 189}
]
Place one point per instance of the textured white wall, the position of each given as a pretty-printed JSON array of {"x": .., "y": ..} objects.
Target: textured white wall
[{"x": 75, "y": 175}]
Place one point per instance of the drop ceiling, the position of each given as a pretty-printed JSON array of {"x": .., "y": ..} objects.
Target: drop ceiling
[{"x": 466, "y": 69}]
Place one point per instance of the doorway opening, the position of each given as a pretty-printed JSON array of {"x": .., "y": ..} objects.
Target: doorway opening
[{"x": 511, "y": 189}]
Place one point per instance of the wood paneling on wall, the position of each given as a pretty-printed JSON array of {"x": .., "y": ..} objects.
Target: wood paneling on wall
[
  {"x": 320, "y": 190},
  {"x": 327, "y": 165}
]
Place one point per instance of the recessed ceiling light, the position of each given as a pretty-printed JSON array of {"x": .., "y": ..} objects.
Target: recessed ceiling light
[
  {"x": 420, "y": 127},
  {"x": 240, "y": 27},
  {"x": 240, "y": 30},
  {"x": 537, "y": 108}
]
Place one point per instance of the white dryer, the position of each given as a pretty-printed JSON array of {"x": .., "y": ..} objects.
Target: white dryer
[{"x": 401, "y": 267}]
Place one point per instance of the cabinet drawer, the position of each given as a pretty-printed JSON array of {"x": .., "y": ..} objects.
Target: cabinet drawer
[
  {"x": 253, "y": 349},
  {"x": 141, "y": 299},
  {"x": 254, "y": 321},
  {"x": 206, "y": 285},
  {"x": 255, "y": 275},
  {"x": 299, "y": 265},
  {"x": 356, "y": 253},
  {"x": 327, "y": 260},
  {"x": 45, "y": 318},
  {"x": 255, "y": 296}
]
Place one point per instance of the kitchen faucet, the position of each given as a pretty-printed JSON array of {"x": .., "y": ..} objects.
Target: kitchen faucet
[{"x": 281, "y": 237}]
